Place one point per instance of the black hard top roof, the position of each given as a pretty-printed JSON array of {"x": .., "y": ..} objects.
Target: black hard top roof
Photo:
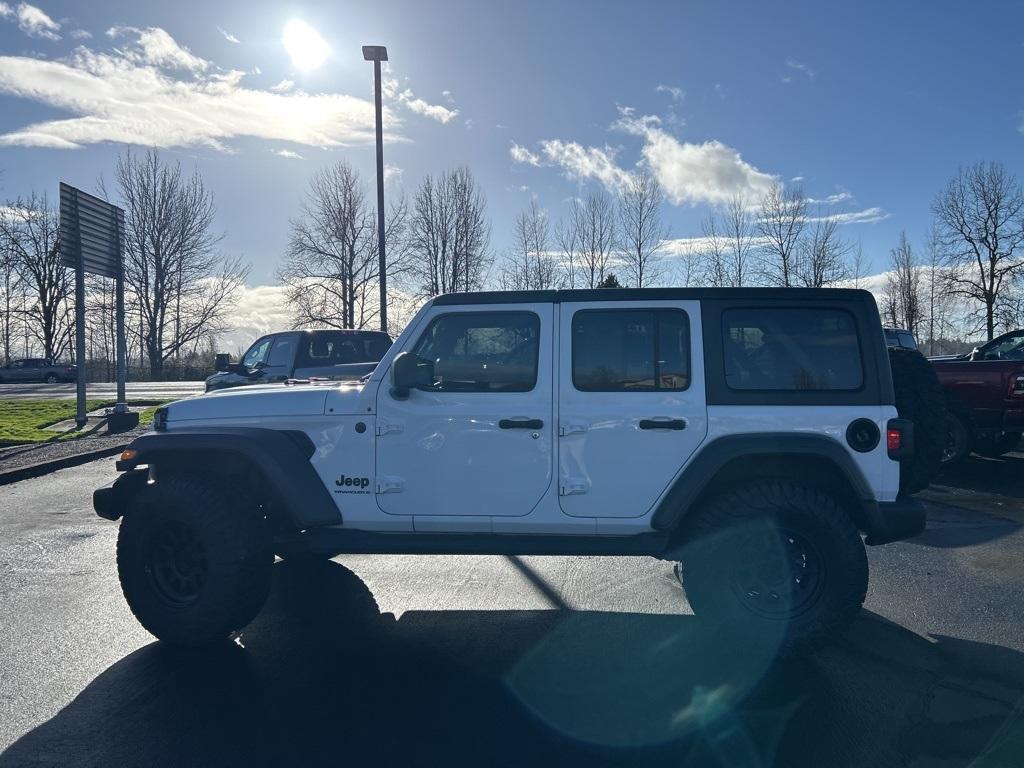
[{"x": 654, "y": 294}]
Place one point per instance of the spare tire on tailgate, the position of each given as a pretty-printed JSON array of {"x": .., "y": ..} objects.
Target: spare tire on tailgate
[{"x": 920, "y": 398}]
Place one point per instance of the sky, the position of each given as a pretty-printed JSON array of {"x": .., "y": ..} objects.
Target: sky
[{"x": 869, "y": 106}]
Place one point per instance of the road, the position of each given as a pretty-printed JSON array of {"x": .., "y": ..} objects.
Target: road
[
  {"x": 377, "y": 660},
  {"x": 136, "y": 390}
]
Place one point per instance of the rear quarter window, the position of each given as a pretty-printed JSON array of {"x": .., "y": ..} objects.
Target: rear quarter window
[{"x": 791, "y": 349}]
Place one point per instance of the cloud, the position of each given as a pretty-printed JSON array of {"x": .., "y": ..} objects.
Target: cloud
[
  {"x": 839, "y": 197},
  {"x": 867, "y": 216},
  {"x": 287, "y": 153},
  {"x": 129, "y": 96},
  {"x": 392, "y": 174},
  {"x": 228, "y": 36},
  {"x": 390, "y": 89},
  {"x": 677, "y": 93},
  {"x": 433, "y": 111},
  {"x": 447, "y": 96},
  {"x": 582, "y": 163},
  {"x": 709, "y": 172},
  {"x": 81, "y": 34},
  {"x": 521, "y": 154},
  {"x": 33, "y": 21},
  {"x": 154, "y": 46},
  {"x": 798, "y": 66},
  {"x": 283, "y": 87}
]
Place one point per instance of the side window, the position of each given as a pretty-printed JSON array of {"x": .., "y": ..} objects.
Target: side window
[
  {"x": 791, "y": 349},
  {"x": 375, "y": 347},
  {"x": 481, "y": 351},
  {"x": 630, "y": 350},
  {"x": 283, "y": 351},
  {"x": 257, "y": 352}
]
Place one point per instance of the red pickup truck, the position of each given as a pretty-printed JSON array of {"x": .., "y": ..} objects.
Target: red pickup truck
[{"x": 984, "y": 397}]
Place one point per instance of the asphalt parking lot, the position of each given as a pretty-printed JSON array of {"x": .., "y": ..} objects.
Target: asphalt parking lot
[{"x": 378, "y": 660}]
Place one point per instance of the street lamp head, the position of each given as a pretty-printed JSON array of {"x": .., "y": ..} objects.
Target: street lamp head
[{"x": 375, "y": 53}]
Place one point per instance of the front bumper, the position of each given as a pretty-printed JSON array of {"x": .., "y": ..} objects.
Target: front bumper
[{"x": 889, "y": 521}]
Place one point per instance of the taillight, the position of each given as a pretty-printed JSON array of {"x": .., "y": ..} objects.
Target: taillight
[
  {"x": 893, "y": 440},
  {"x": 1016, "y": 387},
  {"x": 899, "y": 438}
]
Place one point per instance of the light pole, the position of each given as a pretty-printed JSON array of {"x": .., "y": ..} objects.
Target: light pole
[{"x": 377, "y": 54}]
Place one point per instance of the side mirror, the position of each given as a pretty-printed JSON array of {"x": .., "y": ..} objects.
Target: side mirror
[
  {"x": 223, "y": 360},
  {"x": 409, "y": 372}
]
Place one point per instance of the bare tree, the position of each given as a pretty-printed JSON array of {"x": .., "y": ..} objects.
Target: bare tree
[
  {"x": 331, "y": 270},
  {"x": 183, "y": 289},
  {"x": 713, "y": 252},
  {"x": 821, "y": 255},
  {"x": 449, "y": 234},
  {"x": 903, "y": 287},
  {"x": 938, "y": 300},
  {"x": 529, "y": 265},
  {"x": 567, "y": 238},
  {"x": 641, "y": 229},
  {"x": 592, "y": 228},
  {"x": 729, "y": 238},
  {"x": 9, "y": 288},
  {"x": 980, "y": 217},
  {"x": 857, "y": 266},
  {"x": 28, "y": 231},
  {"x": 781, "y": 219}
]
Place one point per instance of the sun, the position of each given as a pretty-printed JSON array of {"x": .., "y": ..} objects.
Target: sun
[{"x": 304, "y": 44}]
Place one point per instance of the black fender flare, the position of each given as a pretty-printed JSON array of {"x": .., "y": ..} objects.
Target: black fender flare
[
  {"x": 282, "y": 457},
  {"x": 713, "y": 456}
]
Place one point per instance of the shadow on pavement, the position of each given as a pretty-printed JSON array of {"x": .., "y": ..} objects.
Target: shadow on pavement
[{"x": 324, "y": 677}]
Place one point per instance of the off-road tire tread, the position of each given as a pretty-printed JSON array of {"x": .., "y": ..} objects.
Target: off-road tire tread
[
  {"x": 921, "y": 399},
  {"x": 848, "y": 578},
  {"x": 243, "y": 552}
]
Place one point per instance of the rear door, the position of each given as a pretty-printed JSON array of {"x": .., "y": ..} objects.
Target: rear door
[{"x": 631, "y": 403}]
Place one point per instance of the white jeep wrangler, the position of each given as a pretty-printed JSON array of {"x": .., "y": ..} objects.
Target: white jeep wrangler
[{"x": 749, "y": 434}]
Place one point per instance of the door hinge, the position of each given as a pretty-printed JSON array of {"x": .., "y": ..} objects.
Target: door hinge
[
  {"x": 389, "y": 484},
  {"x": 573, "y": 487},
  {"x": 572, "y": 429},
  {"x": 383, "y": 427}
]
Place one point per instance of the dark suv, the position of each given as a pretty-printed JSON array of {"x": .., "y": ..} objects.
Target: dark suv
[
  {"x": 37, "y": 369},
  {"x": 321, "y": 354}
]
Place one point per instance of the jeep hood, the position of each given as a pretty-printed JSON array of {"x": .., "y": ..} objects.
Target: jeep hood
[{"x": 262, "y": 401}]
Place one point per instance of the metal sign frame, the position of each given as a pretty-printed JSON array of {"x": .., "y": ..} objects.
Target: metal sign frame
[{"x": 92, "y": 240}]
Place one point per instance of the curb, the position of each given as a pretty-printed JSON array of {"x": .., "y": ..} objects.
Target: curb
[{"x": 46, "y": 467}]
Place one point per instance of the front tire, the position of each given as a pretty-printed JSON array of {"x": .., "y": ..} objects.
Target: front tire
[
  {"x": 51, "y": 379},
  {"x": 194, "y": 567},
  {"x": 776, "y": 562}
]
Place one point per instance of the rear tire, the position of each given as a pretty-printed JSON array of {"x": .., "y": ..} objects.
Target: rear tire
[
  {"x": 776, "y": 562},
  {"x": 194, "y": 567},
  {"x": 921, "y": 399},
  {"x": 51, "y": 379},
  {"x": 959, "y": 438}
]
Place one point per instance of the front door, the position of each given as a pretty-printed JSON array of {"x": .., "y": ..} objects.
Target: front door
[
  {"x": 631, "y": 403},
  {"x": 476, "y": 438}
]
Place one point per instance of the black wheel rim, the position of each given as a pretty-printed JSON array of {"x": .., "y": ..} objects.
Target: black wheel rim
[
  {"x": 956, "y": 438},
  {"x": 780, "y": 574},
  {"x": 177, "y": 565}
]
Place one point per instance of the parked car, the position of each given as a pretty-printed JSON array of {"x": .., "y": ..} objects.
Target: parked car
[
  {"x": 750, "y": 434},
  {"x": 984, "y": 397},
  {"x": 340, "y": 355},
  {"x": 899, "y": 338},
  {"x": 37, "y": 369}
]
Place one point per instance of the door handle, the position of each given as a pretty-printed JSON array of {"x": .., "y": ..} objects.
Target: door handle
[
  {"x": 675, "y": 424},
  {"x": 521, "y": 424}
]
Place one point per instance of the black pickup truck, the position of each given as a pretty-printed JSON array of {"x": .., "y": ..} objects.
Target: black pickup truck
[{"x": 340, "y": 355}]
